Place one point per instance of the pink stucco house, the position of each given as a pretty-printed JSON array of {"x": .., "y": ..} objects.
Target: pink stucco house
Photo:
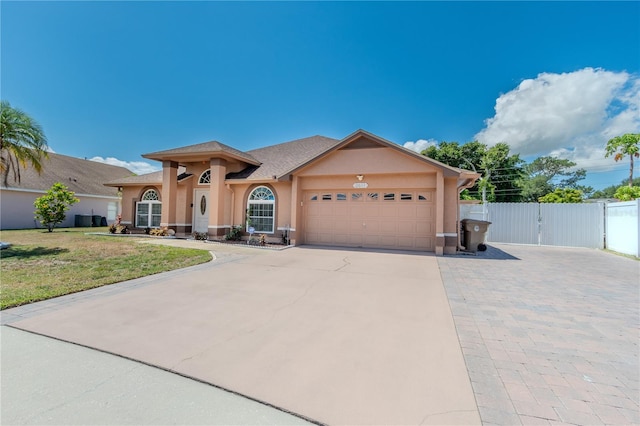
[{"x": 361, "y": 191}]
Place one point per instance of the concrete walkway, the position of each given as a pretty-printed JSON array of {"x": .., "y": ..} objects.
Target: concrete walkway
[
  {"x": 46, "y": 381},
  {"x": 550, "y": 335},
  {"x": 337, "y": 336}
]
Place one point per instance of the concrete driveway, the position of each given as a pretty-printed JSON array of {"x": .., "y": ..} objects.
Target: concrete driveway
[{"x": 336, "y": 336}]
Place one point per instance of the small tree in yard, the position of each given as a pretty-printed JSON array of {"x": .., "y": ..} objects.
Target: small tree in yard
[
  {"x": 626, "y": 193},
  {"x": 562, "y": 195},
  {"x": 51, "y": 207}
]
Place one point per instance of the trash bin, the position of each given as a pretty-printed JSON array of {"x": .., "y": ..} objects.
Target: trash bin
[
  {"x": 474, "y": 234},
  {"x": 83, "y": 221},
  {"x": 95, "y": 220}
]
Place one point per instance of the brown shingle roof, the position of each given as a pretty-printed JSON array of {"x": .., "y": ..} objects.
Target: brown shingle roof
[
  {"x": 279, "y": 159},
  {"x": 276, "y": 160},
  {"x": 80, "y": 176},
  {"x": 202, "y": 148}
]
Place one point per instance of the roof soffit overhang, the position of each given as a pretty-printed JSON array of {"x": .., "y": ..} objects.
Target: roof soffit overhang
[
  {"x": 467, "y": 179},
  {"x": 256, "y": 181},
  {"x": 183, "y": 158},
  {"x": 202, "y": 152},
  {"x": 448, "y": 171}
]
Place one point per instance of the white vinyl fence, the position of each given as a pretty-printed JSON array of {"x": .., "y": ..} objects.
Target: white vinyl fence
[
  {"x": 571, "y": 225},
  {"x": 623, "y": 227}
]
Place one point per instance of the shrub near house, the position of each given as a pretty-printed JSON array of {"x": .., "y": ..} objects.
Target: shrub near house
[
  {"x": 51, "y": 208},
  {"x": 566, "y": 195},
  {"x": 627, "y": 193}
]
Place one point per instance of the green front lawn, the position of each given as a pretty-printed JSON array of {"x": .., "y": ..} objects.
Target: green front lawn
[{"x": 40, "y": 265}]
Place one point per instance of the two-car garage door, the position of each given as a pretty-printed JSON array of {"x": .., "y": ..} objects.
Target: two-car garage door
[{"x": 394, "y": 218}]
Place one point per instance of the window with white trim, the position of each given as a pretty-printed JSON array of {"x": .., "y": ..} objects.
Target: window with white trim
[
  {"x": 261, "y": 208},
  {"x": 205, "y": 177},
  {"x": 149, "y": 210}
]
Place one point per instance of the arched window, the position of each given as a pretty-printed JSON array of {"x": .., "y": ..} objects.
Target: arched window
[
  {"x": 149, "y": 210},
  {"x": 261, "y": 208},
  {"x": 150, "y": 195},
  {"x": 205, "y": 177}
]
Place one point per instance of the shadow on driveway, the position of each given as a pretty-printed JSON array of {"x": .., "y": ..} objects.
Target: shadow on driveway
[{"x": 492, "y": 252}]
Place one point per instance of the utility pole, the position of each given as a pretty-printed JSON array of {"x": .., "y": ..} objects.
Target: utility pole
[{"x": 484, "y": 194}]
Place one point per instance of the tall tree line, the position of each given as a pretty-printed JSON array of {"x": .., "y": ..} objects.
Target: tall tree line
[{"x": 505, "y": 177}]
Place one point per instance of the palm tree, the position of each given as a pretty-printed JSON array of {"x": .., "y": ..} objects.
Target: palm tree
[
  {"x": 627, "y": 144},
  {"x": 21, "y": 140}
]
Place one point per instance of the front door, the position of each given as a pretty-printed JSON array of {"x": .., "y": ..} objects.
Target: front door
[{"x": 201, "y": 210}]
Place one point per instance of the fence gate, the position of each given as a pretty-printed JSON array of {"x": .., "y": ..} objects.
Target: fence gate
[
  {"x": 513, "y": 223},
  {"x": 571, "y": 225}
]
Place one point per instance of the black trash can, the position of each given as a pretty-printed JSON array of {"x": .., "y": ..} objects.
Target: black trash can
[
  {"x": 95, "y": 220},
  {"x": 83, "y": 221},
  {"x": 474, "y": 233}
]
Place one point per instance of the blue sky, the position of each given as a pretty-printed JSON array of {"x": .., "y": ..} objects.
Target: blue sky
[{"x": 116, "y": 80}]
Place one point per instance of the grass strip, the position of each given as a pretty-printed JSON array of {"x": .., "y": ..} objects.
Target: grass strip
[{"x": 41, "y": 265}]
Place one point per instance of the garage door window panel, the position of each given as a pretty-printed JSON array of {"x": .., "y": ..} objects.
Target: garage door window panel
[{"x": 424, "y": 196}]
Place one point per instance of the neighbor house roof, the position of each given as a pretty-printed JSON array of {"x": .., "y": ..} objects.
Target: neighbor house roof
[
  {"x": 153, "y": 178},
  {"x": 80, "y": 176}
]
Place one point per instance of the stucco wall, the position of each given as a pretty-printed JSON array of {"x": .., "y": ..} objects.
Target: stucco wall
[
  {"x": 17, "y": 210},
  {"x": 363, "y": 161},
  {"x": 450, "y": 205},
  {"x": 374, "y": 181},
  {"x": 282, "y": 192}
]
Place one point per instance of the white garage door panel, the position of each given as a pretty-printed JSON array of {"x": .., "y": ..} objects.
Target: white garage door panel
[
  {"x": 340, "y": 209},
  {"x": 407, "y": 227},
  {"x": 424, "y": 228},
  {"x": 425, "y": 212},
  {"x": 354, "y": 240},
  {"x": 388, "y": 211},
  {"x": 389, "y": 227},
  {"x": 385, "y": 219},
  {"x": 408, "y": 211}
]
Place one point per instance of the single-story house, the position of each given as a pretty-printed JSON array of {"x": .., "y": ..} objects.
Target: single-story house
[
  {"x": 84, "y": 177},
  {"x": 361, "y": 191}
]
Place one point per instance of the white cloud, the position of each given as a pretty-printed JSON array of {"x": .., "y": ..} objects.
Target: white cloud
[
  {"x": 420, "y": 145},
  {"x": 137, "y": 167},
  {"x": 571, "y": 115}
]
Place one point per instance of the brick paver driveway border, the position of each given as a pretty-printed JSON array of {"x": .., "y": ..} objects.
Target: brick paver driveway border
[{"x": 550, "y": 335}]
